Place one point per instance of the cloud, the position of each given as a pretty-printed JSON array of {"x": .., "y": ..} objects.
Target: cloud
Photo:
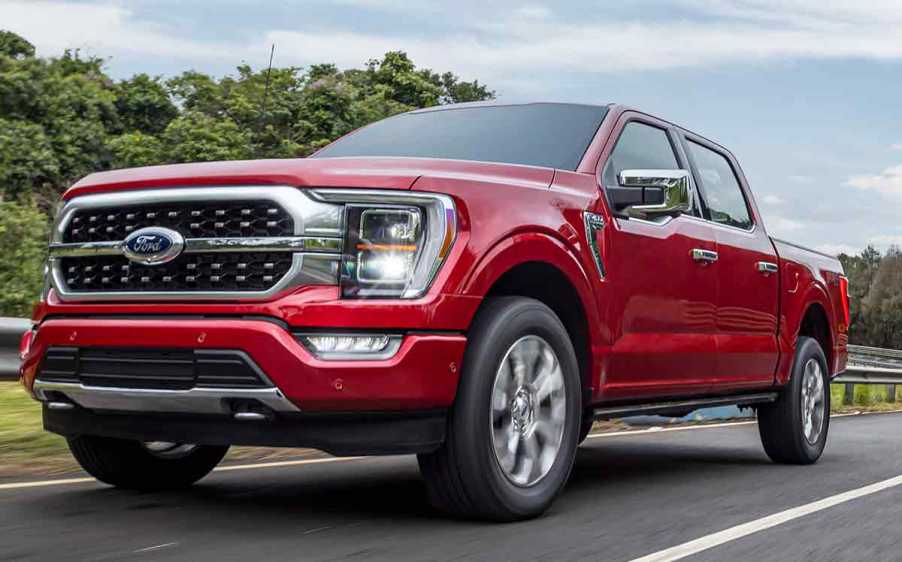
[
  {"x": 888, "y": 182},
  {"x": 896, "y": 146},
  {"x": 836, "y": 249},
  {"x": 534, "y": 12},
  {"x": 886, "y": 240},
  {"x": 100, "y": 29},
  {"x": 504, "y": 40},
  {"x": 777, "y": 224},
  {"x": 771, "y": 199}
]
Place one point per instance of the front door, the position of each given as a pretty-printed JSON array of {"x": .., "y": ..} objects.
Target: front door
[{"x": 661, "y": 296}]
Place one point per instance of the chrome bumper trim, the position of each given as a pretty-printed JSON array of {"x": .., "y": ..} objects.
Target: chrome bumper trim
[
  {"x": 192, "y": 401},
  {"x": 202, "y": 245}
]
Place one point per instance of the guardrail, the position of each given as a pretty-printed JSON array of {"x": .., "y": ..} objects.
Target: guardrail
[
  {"x": 11, "y": 330},
  {"x": 871, "y": 365}
]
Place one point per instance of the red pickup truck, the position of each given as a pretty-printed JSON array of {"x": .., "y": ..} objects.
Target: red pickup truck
[{"x": 474, "y": 284}]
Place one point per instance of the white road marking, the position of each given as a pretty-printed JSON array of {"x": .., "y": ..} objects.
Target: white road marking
[
  {"x": 739, "y": 531},
  {"x": 276, "y": 464},
  {"x": 227, "y": 468},
  {"x": 157, "y": 547}
]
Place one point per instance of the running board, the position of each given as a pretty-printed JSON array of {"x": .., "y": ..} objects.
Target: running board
[{"x": 683, "y": 405}]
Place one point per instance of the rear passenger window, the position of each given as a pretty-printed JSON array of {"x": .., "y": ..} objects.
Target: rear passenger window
[
  {"x": 640, "y": 147},
  {"x": 722, "y": 191}
]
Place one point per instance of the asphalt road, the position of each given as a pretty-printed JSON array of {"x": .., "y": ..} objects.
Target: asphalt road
[{"x": 629, "y": 496}]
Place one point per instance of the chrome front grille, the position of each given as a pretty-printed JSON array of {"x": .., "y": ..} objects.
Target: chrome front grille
[
  {"x": 239, "y": 242},
  {"x": 193, "y": 219}
]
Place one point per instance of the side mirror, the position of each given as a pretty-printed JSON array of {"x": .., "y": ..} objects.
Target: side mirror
[{"x": 653, "y": 193}]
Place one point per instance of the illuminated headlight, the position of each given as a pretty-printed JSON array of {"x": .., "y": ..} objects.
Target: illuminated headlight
[
  {"x": 352, "y": 346},
  {"x": 395, "y": 242}
]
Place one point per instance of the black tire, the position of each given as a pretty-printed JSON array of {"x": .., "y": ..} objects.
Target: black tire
[
  {"x": 586, "y": 425},
  {"x": 464, "y": 477},
  {"x": 780, "y": 424},
  {"x": 129, "y": 464}
]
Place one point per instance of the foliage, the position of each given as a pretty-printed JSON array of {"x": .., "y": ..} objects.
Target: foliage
[
  {"x": 875, "y": 297},
  {"x": 23, "y": 247},
  {"x": 62, "y": 118}
]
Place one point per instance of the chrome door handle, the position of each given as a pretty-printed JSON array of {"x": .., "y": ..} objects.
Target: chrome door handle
[
  {"x": 766, "y": 267},
  {"x": 704, "y": 256}
]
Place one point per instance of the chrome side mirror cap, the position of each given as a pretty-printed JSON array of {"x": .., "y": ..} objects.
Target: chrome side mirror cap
[{"x": 668, "y": 189}]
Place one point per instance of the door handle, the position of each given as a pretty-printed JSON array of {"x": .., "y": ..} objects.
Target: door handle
[
  {"x": 766, "y": 267},
  {"x": 704, "y": 256}
]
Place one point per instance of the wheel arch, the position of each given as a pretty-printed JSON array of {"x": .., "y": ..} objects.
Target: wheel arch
[
  {"x": 535, "y": 265},
  {"x": 815, "y": 323}
]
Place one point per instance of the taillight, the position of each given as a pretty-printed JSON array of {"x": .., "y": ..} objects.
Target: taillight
[{"x": 844, "y": 294}]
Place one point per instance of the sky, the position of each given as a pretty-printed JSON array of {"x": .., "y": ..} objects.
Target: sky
[{"x": 807, "y": 94}]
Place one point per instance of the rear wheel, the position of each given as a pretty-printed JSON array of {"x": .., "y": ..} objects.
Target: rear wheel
[
  {"x": 512, "y": 433},
  {"x": 151, "y": 465},
  {"x": 794, "y": 428}
]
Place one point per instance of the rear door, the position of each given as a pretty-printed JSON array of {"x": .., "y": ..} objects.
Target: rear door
[
  {"x": 747, "y": 275},
  {"x": 660, "y": 301}
]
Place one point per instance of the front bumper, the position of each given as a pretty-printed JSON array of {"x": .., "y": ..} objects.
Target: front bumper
[
  {"x": 423, "y": 375},
  {"x": 338, "y": 434}
]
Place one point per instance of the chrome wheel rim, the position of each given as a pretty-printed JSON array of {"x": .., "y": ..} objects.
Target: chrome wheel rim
[
  {"x": 168, "y": 450},
  {"x": 813, "y": 401},
  {"x": 528, "y": 411}
]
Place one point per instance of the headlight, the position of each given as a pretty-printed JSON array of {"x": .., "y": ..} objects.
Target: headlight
[{"x": 395, "y": 242}]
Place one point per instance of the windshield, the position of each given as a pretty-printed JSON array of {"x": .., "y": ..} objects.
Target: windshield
[{"x": 542, "y": 134}]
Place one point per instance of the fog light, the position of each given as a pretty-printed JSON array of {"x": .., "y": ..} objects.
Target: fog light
[{"x": 352, "y": 346}]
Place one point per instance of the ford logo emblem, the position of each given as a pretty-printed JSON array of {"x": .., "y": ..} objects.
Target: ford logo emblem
[{"x": 153, "y": 245}]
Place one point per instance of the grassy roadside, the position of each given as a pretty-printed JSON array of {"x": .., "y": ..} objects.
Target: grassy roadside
[{"x": 26, "y": 449}]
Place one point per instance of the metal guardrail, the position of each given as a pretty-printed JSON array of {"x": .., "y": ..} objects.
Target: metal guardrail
[
  {"x": 872, "y": 365},
  {"x": 11, "y": 330}
]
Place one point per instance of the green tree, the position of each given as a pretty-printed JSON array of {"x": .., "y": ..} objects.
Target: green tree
[
  {"x": 134, "y": 149},
  {"x": 23, "y": 247},
  {"x": 882, "y": 307},
  {"x": 27, "y": 159},
  {"x": 195, "y": 137},
  {"x": 144, "y": 105},
  {"x": 15, "y": 46},
  {"x": 860, "y": 270}
]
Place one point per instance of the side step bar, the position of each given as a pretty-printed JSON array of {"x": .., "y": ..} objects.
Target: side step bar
[{"x": 684, "y": 405}]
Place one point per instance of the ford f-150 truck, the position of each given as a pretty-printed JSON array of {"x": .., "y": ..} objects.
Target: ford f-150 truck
[{"x": 475, "y": 284}]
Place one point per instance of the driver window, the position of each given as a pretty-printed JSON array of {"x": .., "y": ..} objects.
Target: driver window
[{"x": 640, "y": 147}]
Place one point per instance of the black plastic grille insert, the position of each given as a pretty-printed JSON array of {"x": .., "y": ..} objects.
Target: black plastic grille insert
[
  {"x": 195, "y": 219},
  {"x": 226, "y": 271},
  {"x": 156, "y": 369}
]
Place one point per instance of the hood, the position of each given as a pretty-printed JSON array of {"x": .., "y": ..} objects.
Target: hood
[{"x": 373, "y": 173}]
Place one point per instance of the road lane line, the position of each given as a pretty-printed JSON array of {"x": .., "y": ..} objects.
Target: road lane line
[
  {"x": 739, "y": 531},
  {"x": 157, "y": 547},
  {"x": 39, "y": 483},
  {"x": 276, "y": 464},
  {"x": 227, "y": 468}
]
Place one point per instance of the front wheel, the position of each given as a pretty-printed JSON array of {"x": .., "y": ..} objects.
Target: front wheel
[
  {"x": 512, "y": 433},
  {"x": 151, "y": 465},
  {"x": 794, "y": 428}
]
